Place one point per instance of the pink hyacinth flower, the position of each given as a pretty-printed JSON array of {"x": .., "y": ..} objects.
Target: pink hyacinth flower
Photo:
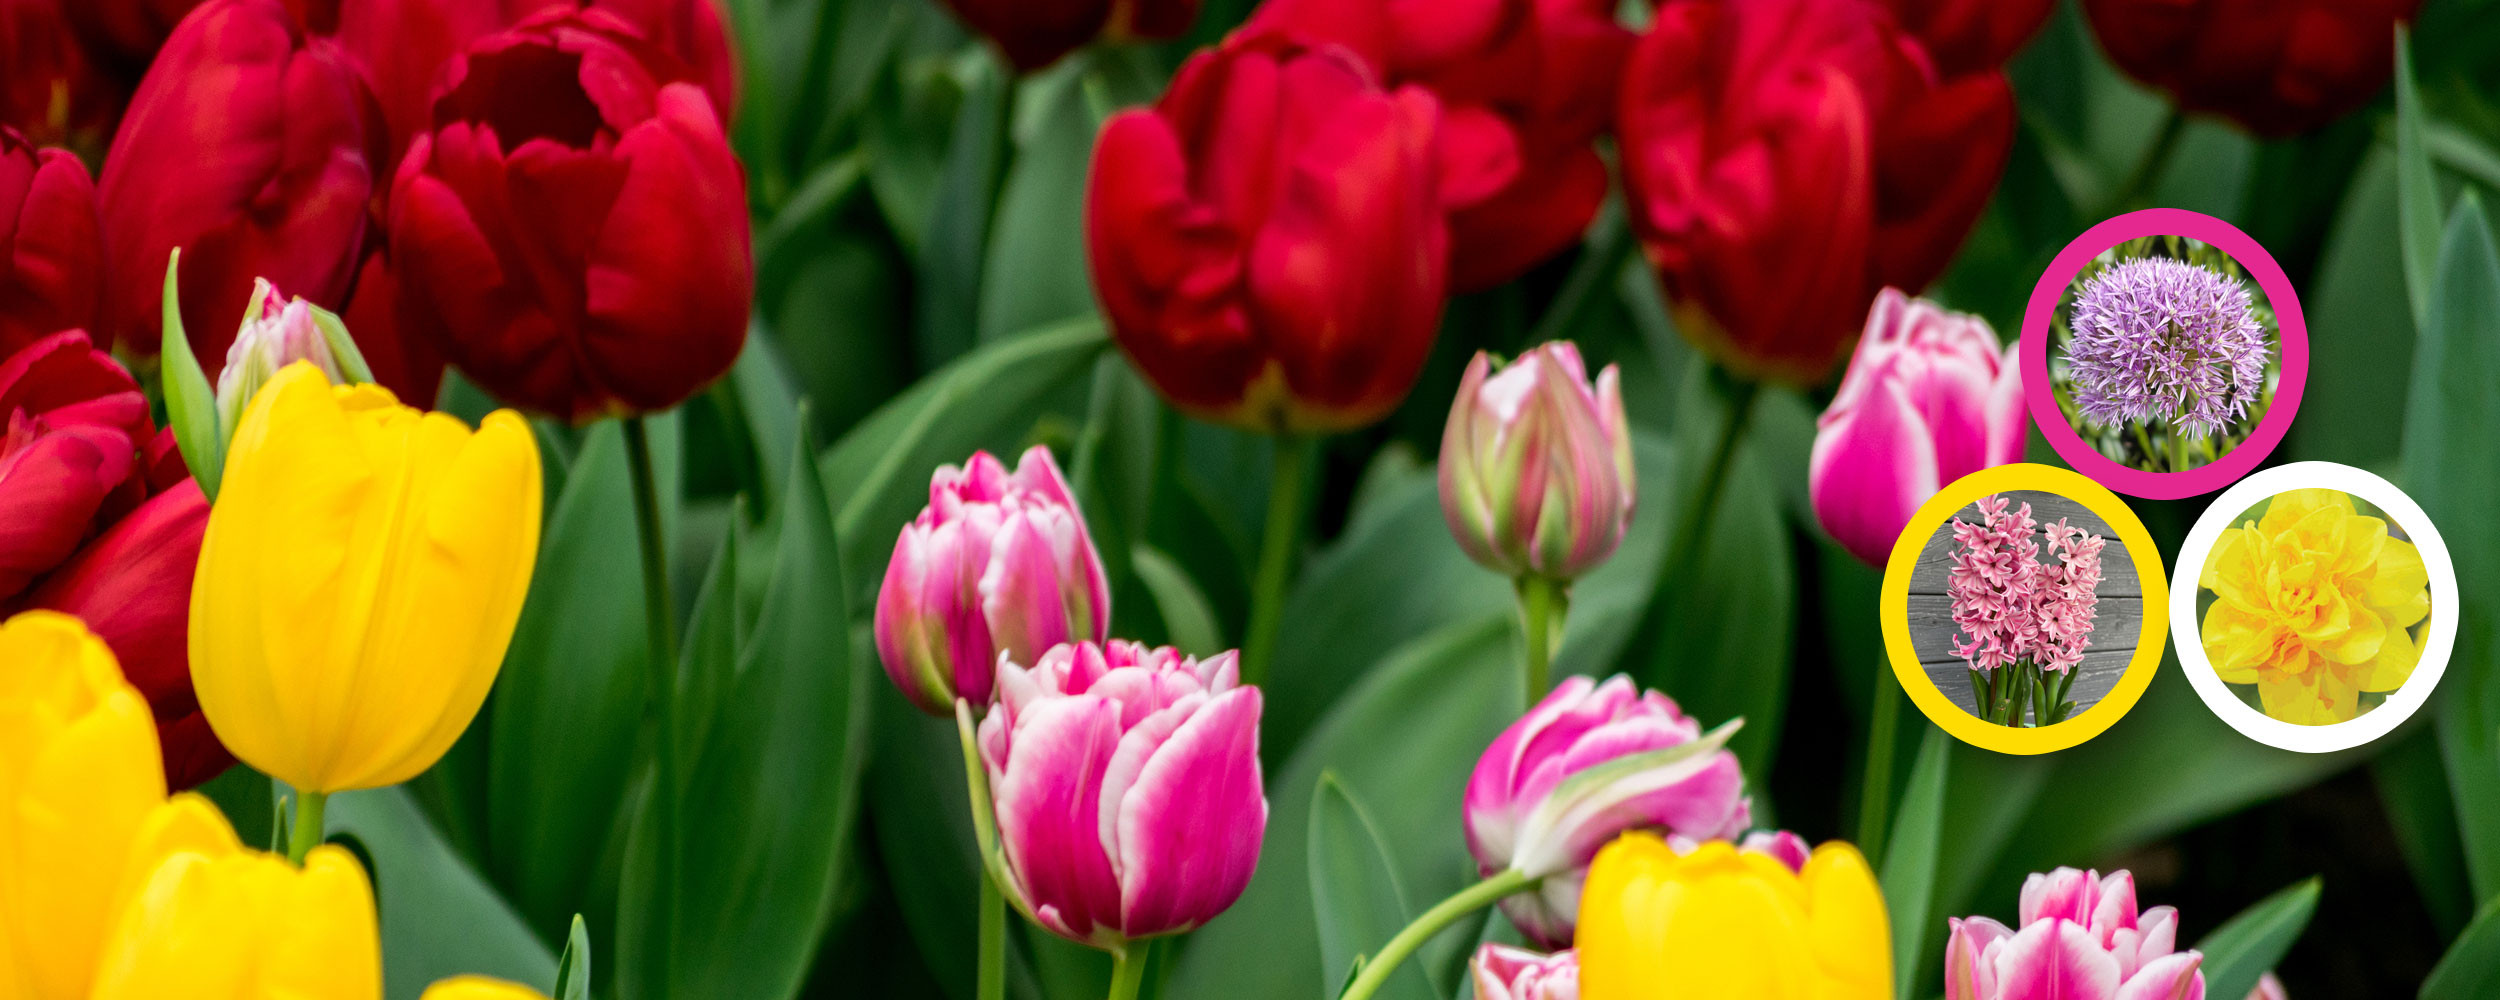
[
  {"x": 2079, "y": 938},
  {"x": 997, "y": 564},
  {"x": 1994, "y": 585},
  {"x": 1501, "y": 972},
  {"x": 1127, "y": 788},
  {"x": 1929, "y": 398},
  {"x": 1536, "y": 464},
  {"x": 1586, "y": 764}
]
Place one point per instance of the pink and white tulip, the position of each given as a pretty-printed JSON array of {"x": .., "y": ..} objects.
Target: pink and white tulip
[
  {"x": 997, "y": 564},
  {"x": 2269, "y": 988},
  {"x": 1930, "y": 397},
  {"x": 1586, "y": 764},
  {"x": 2079, "y": 938},
  {"x": 1536, "y": 464},
  {"x": 1127, "y": 788},
  {"x": 280, "y": 333},
  {"x": 1502, "y": 972}
]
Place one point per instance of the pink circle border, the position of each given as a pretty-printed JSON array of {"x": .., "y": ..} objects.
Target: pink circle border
[{"x": 2292, "y": 325}]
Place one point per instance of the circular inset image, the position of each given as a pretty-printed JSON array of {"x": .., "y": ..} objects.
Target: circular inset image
[
  {"x": 2164, "y": 353},
  {"x": 2316, "y": 607},
  {"x": 2024, "y": 609}
]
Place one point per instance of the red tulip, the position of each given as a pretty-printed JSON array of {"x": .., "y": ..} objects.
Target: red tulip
[
  {"x": 572, "y": 232},
  {"x": 1972, "y": 36},
  {"x": 253, "y": 148},
  {"x": 1269, "y": 241},
  {"x": 1526, "y": 87},
  {"x": 49, "y": 251},
  {"x": 2278, "y": 67},
  {"x": 98, "y": 519},
  {"x": 1784, "y": 159},
  {"x": 694, "y": 32},
  {"x": 52, "y": 90},
  {"x": 1035, "y": 33}
]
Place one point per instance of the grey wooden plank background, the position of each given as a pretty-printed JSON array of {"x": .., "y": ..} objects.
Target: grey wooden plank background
[{"x": 2117, "y": 624}]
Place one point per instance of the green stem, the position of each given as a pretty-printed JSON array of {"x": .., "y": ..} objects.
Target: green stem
[
  {"x": 2039, "y": 698},
  {"x": 1284, "y": 535},
  {"x": 1433, "y": 921},
  {"x": 1128, "y": 970},
  {"x": 2148, "y": 170},
  {"x": 1685, "y": 545},
  {"x": 1979, "y": 693},
  {"x": 2179, "y": 461},
  {"x": 307, "y": 830},
  {"x": 660, "y": 683},
  {"x": 2144, "y": 442},
  {"x": 1542, "y": 606},
  {"x": 993, "y": 970},
  {"x": 1875, "y": 808}
]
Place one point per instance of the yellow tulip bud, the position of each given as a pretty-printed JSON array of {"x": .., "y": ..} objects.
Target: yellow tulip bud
[
  {"x": 80, "y": 775},
  {"x": 359, "y": 580},
  {"x": 480, "y": 988},
  {"x": 242, "y": 925},
  {"x": 1717, "y": 923}
]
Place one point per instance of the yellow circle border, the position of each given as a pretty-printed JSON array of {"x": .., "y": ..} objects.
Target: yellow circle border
[{"x": 1895, "y": 609}]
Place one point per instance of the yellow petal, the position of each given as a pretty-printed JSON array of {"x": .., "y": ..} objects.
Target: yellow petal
[
  {"x": 2399, "y": 581},
  {"x": 79, "y": 774},
  {"x": 2294, "y": 506},
  {"x": 2347, "y": 633},
  {"x": 247, "y": 926},
  {"x": 1851, "y": 931},
  {"x": 2236, "y": 642},
  {"x": 480, "y": 988},
  {"x": 2391, "y": 667},
  {"x": 1718, "y": 922}
]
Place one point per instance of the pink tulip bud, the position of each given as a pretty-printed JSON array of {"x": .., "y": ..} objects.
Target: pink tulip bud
[
  {"x": 1536, "y": 464},
  {"x": 997, "y": 564},
  {"x": 282, "y": 332},
  {"x": 1127, "y": 788},
  {"x": 2079, "y": 936},
  {"x": 2269, "y": 988},
  {"x": 1586, "y": 764},
  {"x": 1502, "y": 972},
  {"x": 1929, "y": 398}
]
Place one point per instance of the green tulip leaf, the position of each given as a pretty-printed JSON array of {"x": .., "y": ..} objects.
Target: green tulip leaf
[
  {"x": 2247, "y": 945},
  {"x": 439, "y": 918},
  {"x": 2417, "y": 187},
  {"x": 190, "y": 401},
  {"x": 573, "y": 967},
  {"x": 1910, "y": 855},
  {"x": 1357, "y": 904},
  {"x": 2471, "y": 968}
]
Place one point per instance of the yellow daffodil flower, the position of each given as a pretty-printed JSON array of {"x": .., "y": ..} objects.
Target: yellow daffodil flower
[
  {"x": 480, "y": 988},
  {"x": 2314, "y": 600},
  {"x": 359, "y": 580},
  {"x": 1718, "y": 923}
]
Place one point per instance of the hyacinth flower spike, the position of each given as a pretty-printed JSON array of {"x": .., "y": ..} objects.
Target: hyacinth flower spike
[{"x": 2026, "y": 622}]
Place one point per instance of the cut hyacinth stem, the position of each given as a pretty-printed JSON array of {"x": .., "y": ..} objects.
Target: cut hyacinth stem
[
  {"x": 660, "y": 685},
  {"x": 1128, "y": 970},
  {"x": 306, "y": 832},
  {"x": 1542, "y": 606},
  {"x": 1377, "y": 969},
  {"x": 1284, "y": 535},
  {"x": 992, "y": 982},
  {"x": 1875, "y": 803}
]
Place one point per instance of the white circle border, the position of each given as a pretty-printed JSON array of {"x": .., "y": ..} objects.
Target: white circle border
[{"x": 2437, "y": 643}]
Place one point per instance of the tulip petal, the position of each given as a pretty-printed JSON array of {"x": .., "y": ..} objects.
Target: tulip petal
[
  {"x": 2055, "y": 960},
  {"x": 1870, "y": 471},
  {"x": 1189, "y": 828},
  {"x": 1048, "y": 808},
  {"x": 2171, "y": 977}
]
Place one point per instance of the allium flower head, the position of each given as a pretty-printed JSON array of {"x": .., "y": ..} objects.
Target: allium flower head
[{"x": 2163, "y": 339}]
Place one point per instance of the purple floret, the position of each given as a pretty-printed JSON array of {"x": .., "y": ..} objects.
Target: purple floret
[{"x": 2163, "y": 339}]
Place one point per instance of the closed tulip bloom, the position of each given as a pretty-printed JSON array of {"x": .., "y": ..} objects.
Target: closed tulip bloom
[
  {"x": 1972, "y": 36},
  {"x": 79, "y": 776},
  {"x": 2079, "y": 937},
  {"x": 2277, "y": 68},
  {"x": 1775, "y": 194},
  {"x": 480, "y": 988},
  {"x": 1586, "y": 764},
  {"x": 1501, "y": 972},
  {"x": 1536, "y": 464},
  {"x": 1269, "y": 240},
  {"x": 1127, "y": 788},
  {"x": 243, "y": 925},
  {"x": 50, "y": 253},
  {"x": 572, "y": 233},
  {"x": 99, "y": 520},
  {"x": 1716, "y": 921},
  {"x": 2269, "y": 988},
  {"x": 1929, "y": 397},
  {"x": 253, "y": 147},
  {"x": 280, "y": 334},
  {"x": 998, "y": 564},
  {"x": 359, "y": 581},
  {"x": 1526, "y": 87},
  {"x": 1035, "y": 33}
]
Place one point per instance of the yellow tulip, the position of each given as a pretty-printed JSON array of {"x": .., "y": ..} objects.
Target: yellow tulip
[
  {"x": 242, "y": 925},
  {"x": 359, "y": 580},
  {"x": 1717, "y": 923},
  {"x": 480, "y": 988},
  {"x": 2313, "y": 605},
  {"x": 80, "y": 775}
]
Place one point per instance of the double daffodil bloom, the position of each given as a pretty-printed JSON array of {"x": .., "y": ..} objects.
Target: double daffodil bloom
[
  {"x": 2314, "y": 602},
  {"x": 79, "y": 776},
  {"x": 1719, "y": 923},
  {"x": 359, "y": 580}
]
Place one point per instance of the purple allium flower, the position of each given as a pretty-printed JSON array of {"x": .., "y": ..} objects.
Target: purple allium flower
[{"x": 2163, "y": 339}]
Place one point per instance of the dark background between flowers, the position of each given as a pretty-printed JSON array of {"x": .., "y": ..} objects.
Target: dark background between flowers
[{"x": 921, "y": 281}]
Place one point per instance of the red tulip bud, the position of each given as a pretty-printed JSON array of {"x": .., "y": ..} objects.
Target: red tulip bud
[{"x": 49, "y": 250}]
